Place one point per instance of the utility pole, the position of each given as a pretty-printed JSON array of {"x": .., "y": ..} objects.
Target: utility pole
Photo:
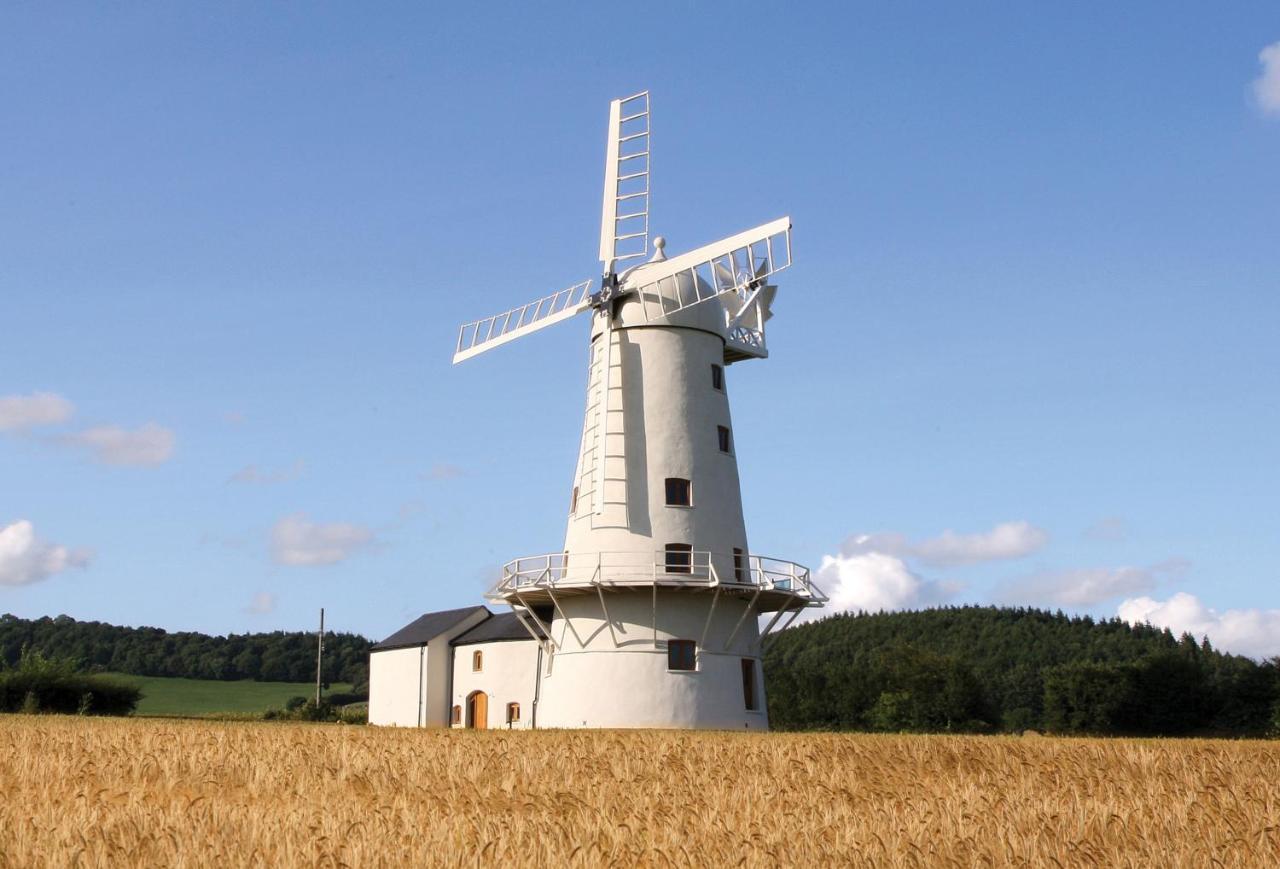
[{"x": 319, "y": 654}]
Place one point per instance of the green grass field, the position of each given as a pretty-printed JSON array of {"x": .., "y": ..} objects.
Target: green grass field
[{"x": 161, "y": 696}]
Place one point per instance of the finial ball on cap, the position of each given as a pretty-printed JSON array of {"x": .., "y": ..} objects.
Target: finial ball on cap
[{"x": 658, "y": 244}]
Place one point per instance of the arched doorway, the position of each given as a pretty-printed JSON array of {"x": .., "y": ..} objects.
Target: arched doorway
[{"x": 478, "y": 710}]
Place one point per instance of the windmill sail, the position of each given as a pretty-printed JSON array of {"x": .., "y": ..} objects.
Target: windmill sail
[
  {"x": 624, "y": 220},
  {"x": 476, "y": 337},
  {"x": 737, "y": 264}
]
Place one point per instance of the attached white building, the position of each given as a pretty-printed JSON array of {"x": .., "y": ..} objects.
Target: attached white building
[{"x": 464, "y": 668}]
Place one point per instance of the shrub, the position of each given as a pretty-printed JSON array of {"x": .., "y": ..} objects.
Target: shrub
[{"x": 40, "y": 684}]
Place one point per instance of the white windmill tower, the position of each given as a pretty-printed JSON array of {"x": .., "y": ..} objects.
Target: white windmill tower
[{"x": 651, "y": 610}]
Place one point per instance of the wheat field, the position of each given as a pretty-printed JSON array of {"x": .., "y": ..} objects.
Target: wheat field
[{"x": 136, "y": 792}]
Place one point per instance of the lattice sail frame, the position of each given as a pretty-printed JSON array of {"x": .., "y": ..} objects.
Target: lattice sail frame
[
  {"x": 740, "y": 264},
  {"x": 624, "y": 218}
]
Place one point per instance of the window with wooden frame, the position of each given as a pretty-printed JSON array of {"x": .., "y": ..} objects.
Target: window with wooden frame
[
  {"x": 513, "y": 713},
  {"x": 739, "y": 565},
  {"x": 477, "y": 661},
  {"x": 726, "y": 439},
  {"x": 750, "y": 698},
  {"x": 679, "y": 492},
  {"x": 457, "y": 715},
  {"x": 717, "y": 377},
  {"x": 682, "y": 655},
  {"x": 679, "y": 558}
]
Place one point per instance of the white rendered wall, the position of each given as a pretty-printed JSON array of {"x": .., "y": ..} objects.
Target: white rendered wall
[
  {"x": 663, "y": 420},
  {"x": 397, "y": 686},
  {"x": 610, "y": 674},
  {"x": 509, "y": 675},
  {"x": 664, "y": 417}
]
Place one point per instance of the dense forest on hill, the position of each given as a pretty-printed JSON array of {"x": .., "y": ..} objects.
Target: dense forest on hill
[
  {"x": 960, "y": 669},
  {"x": 274, "y": 657},
  {"x": 1002, "y": 669}
]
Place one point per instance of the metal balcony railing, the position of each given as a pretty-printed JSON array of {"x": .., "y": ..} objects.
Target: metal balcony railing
[{"x": 558, "y": 570}]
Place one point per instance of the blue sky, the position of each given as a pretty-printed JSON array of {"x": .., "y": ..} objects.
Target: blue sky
[{"x": 1027, "y": 352}]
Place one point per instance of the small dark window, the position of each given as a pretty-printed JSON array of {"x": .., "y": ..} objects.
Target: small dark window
[
  {"x": 573, "y": 502},
  {"x": 679, "y": 492},
  {"x": 457, "y": 715},
  {"x": 739, "y": 565},
  {"x": 726, "y": 440},
  {"x": 717, "y": 377},
  {"x": 679, "y": 558},
  {"x": 513, "y": 712},
  {"x": 477, "y": 661},
  {"x": 682, "y": 655},
  {"x": 749, "y": 684}
]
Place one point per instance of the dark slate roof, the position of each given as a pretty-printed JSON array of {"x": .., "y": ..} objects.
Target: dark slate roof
[
  {"x": 495, "y": 629},
  {"x": 425, "y": 628}
]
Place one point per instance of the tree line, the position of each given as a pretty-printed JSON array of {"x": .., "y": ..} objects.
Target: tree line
[
  {"x": 279, "y": 656},
  {"x": 989, "y": 669}
]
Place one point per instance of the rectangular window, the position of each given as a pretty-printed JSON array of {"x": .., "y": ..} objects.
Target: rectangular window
[
  {"x": 682, "y": 655},
  {"x": 679, "y": 492},
  {"x": 739, "y": 565},
  {"x": 513, "y": 712},
  {"x": 726, "y": 440},
  {"x": 457, "y": 715},
  {"x": 679, "y": 558},
  {"x": 573, "y": 502},
  {"x": 477, "y": 661},
  {"x": 749, "y": 685},
  {"x": 717, "y": 377}
]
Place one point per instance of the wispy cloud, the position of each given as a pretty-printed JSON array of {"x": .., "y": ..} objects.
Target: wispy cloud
[
  {"x": 147, "y": 445},
  {"x": 443, "y": 471},
  {"x": 1266, "y": 87},
  {"x": 19, "y": 413},
  {"x": 252, "y": 474},
  {"x": 1253, "y": 632},
  {"x": 1008, "y": 540},
  {"x": 1087, "y": 586},
  {"x": 1111, "y": 529},
  {"x": 261, "y": 604},
  {"x": 25, "y": 558},
  {"x": 297, "y": 541}
]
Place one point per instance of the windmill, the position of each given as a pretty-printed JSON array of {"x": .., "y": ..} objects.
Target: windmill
[{"x": 655, "y": 576}]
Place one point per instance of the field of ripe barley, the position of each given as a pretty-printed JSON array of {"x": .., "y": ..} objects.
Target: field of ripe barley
[{"x": 100, "y": 792}]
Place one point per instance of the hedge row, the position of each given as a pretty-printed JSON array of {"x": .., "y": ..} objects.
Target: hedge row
[{"x": 38, "y": 684}]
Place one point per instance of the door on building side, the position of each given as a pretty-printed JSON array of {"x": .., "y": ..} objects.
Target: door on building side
[{"x": 478, "y": 710}]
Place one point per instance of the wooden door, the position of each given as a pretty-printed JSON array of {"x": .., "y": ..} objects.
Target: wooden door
[{"x": 478, "y": 711}]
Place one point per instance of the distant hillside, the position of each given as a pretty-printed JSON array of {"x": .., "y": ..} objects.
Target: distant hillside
[
  {"x": 998, "y": 669},
  {"x": 275, "y": 657}
]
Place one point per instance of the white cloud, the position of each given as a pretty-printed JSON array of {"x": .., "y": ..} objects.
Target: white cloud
[
  {"x": 295, "y": 540},
  {"x": 1005, "y": 541},
  {"x": 254, "y": 474},
  {"x": 25, "y": 558},
  {"x": 261, "y": 604},
  {"x": 150, "y": 444},
  {"x": 872, "y": 582},
  {"x": 1266, "y": 87},
  {"x": 1253, "y": 632},
  {"x": 21, "y": 412}
]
